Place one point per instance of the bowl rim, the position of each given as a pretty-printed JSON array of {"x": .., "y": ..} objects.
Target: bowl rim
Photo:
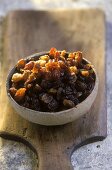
[{"x": 11, "y": 71}]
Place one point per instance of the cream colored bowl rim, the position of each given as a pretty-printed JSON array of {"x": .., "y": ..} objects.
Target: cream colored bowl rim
[{"x": 47, "y": 113}]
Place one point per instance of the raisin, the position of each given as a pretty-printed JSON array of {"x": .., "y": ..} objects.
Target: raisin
[
  {"x": 45, "y": 84},
  {"x": 68, "y": 90},
  {"x": 46, "y": 98},
  {"x": 72, "y": 79},
  {"x": 53, "y": 105},
  {"x": 80, "y": 86},
  {"x": 60, "y": 93},
  {"x": 68, "y": 103}
]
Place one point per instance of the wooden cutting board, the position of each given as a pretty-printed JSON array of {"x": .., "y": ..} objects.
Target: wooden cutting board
[{"x": 27, "y": 32}]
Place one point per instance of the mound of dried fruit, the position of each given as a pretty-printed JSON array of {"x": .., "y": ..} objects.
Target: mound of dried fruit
[{"x": 54, "y": 82}]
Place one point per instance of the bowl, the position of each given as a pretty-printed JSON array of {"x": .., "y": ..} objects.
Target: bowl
[{"x": 52, "y": 118}]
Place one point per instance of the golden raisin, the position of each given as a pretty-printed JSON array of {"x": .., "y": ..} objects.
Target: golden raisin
[
  {"x": 63, "y": 53},
  {"x": 44, "y": 57},
  {"x": 17, "y": 77}
]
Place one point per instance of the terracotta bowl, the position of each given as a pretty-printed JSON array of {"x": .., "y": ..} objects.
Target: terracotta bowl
[{"x": 52, "y": 118}]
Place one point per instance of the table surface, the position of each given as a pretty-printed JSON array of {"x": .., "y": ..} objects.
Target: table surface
[{"x": 96, "y": 156}]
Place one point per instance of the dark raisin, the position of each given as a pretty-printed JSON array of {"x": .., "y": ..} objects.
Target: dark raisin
[
  {"x": 53, "y": 105},
  {"x": 60, "y": 93},
  {"x": 90, "y": 86},
  {"x": 72, "y": 79},
  {"x": 89, "y": 79},
  {"x": 80, "y": 86},
  {"x": 68, "y": 90}
]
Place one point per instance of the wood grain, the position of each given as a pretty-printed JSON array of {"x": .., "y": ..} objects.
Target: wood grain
[{"x": 27, "y": 32}]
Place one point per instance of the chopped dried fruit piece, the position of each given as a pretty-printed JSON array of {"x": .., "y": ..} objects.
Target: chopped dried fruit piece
[
  {"x": 29, "y": 65},
  {"x": 71, "y": 55},
  {"x": 63, "y": 53},
  {"x": 52, "y": 51},
  {"x": 21, "y": 63},
  {"x": 57, "y": 55},
  {"x": 17, "y": 77},
  {"x": 78, "y": 56},
  {"x": 68, "y": 103},
  {"x": 20, "y": 94},
  {"x": 36, "y": 67},
  {"x": 26, "y": 74},
  {"x": 73, "y": 70},
  {"x": 85, "y": 73},
  {"x": 31, "y": 78}
]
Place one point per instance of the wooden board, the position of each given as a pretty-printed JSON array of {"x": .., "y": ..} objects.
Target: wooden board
[{"x": 27, "y": 32}]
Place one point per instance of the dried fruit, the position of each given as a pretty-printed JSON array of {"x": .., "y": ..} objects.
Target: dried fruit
[
  {"x": 21, "y": 63},
  {"x": 17, "y": 77},
  {"x": 46, "y": 98},
  {"x": 85, "y": 73},
  {"x": 44, "y": 57},
  {"x": 19, "y": 95},
  {"x": 54, "y": 82},
  {"x": 29, "y": 65},
  {"x": 13, "y": 91},
  {"x": 63, "y": 53},
  {"x": 53, "y": 105},
  {"x": 52, "y": 91},
  {"x": 68, "y": 103}
]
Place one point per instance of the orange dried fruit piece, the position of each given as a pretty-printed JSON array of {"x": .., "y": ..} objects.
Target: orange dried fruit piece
[
  {"x": 85, "y": 73},
  {"x": 71, "y": 55},
  {"x": 52, "y": 51},
  {"x": 57, "y": 55},
  {"x": 29, "y": 65},
  {"x": 36, "y": 67},
  {"x": 21, "y": 63},
  {"x": 20, "y": 94}
]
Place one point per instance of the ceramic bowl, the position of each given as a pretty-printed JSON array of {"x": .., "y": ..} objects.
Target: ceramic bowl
[{"x": 52, "y": 118}]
